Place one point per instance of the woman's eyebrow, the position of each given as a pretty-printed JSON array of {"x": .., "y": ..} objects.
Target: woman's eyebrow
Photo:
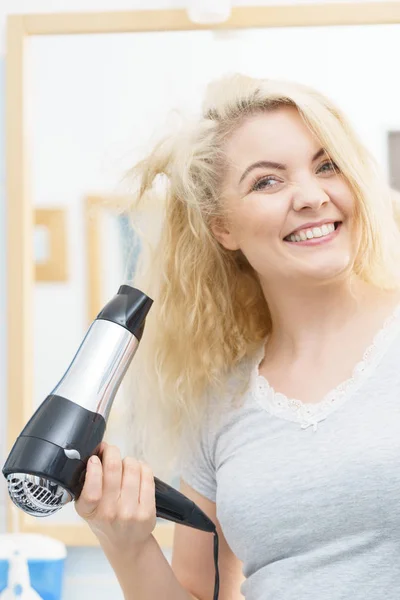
[{"x": 273, "y": 165}]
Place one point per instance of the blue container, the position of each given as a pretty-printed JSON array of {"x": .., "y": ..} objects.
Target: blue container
[{"x": 45, "y": 557}]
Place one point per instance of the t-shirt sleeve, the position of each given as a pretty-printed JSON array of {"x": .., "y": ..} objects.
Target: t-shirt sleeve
[{"x": 197, "y": 466}]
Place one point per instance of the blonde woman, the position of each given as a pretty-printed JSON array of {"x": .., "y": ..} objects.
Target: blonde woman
[{"x": 270, "y": 365}]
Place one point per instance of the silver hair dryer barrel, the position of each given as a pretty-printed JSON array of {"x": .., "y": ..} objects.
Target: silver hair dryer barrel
[{"x": 46, "y": 466}]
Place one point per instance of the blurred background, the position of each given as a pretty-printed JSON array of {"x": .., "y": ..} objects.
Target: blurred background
[{"x": 94, "y": 104}]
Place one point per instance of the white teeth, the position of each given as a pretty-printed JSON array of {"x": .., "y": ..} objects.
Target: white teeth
[{"x": 315, "y": 232}]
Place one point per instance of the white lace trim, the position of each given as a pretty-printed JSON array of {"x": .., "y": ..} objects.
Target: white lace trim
[{"x": 309, "y": 414}]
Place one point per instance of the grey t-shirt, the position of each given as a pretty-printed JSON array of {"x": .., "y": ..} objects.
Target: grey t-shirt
[{"x": 308, "y": 496}]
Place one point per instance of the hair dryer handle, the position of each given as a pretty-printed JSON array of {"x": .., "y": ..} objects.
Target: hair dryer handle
[{"x": 175, "y": 506}]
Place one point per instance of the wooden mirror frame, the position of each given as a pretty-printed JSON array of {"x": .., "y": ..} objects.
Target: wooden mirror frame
[
  {"x": 20, "y": 219},
  {"x": 94, "y": 208}
]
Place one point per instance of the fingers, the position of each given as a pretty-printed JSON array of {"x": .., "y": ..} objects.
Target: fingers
[
  {"x": 117, "y": 490},
  {"x": 112, "y": 479},
  {"x": 147, "y": 487},
  {"x": 92, "y": 490},
  {"x": 137, "y": 498},
  {"x": 130, "y": 490},
  {"x": 101, "y": 491}
]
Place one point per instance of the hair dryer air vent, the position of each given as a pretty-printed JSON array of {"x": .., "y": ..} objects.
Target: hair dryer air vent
[{"x": 36, "y": 496}]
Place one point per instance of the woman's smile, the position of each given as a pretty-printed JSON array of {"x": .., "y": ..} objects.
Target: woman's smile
[{"x": 315, "y": 236}]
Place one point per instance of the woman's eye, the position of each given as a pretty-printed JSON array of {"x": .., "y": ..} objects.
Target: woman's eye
[
  {"x": 328, "y": 167},
  {"x": 263, "y": 184}
]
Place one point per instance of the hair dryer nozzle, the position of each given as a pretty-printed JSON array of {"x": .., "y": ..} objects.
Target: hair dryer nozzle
[{"x": 128, "y": 308}]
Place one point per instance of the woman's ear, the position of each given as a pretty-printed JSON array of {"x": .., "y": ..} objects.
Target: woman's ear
[{"x": 222, "y": 232}]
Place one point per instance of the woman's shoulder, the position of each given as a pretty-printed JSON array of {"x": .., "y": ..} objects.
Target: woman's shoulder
[{"x": 236, "y": 386}]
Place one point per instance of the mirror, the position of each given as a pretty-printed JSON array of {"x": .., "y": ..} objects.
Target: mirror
[{"x": 94, "y": 103}]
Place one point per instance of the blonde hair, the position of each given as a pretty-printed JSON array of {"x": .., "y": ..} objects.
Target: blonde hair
[{"x": 209, "y": 312}]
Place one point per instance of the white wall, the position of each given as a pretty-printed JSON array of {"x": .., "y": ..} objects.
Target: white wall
[{"x": 87, "y": 572}]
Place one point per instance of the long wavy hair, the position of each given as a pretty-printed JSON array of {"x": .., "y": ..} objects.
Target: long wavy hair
[{"x": 209, "y": 312}]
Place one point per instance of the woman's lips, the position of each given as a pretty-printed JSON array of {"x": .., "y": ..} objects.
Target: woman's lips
[{"x": 318, "y": 241}]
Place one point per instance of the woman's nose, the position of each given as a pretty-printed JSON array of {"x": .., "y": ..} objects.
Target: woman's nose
[{"x": 309, "y": 195}]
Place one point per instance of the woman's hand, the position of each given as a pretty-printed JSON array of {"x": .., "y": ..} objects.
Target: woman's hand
[{"x": 118, "y": 501}]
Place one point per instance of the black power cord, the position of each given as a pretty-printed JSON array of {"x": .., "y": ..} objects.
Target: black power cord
[{"x": 216, "y": 585}]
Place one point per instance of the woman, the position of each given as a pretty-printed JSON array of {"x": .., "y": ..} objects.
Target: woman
[{"x": 274, "y": 342}]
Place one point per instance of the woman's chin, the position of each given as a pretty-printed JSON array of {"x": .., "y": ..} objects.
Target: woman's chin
[{"x": 326, "y": 269}]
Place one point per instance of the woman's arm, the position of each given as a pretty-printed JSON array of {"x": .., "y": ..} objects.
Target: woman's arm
[
  {"x": 193, "y": 556},
  {"x": 147, "y": 575}
]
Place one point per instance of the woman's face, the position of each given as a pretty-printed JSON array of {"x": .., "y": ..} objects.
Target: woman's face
[{"x": 289, "y": 211}]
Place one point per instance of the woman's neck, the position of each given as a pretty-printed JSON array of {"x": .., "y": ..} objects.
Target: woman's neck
[{"x": 305, "y": 319}]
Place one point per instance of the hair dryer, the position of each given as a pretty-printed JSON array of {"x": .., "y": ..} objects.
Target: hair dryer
[{"x": 46, "y": 466}]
